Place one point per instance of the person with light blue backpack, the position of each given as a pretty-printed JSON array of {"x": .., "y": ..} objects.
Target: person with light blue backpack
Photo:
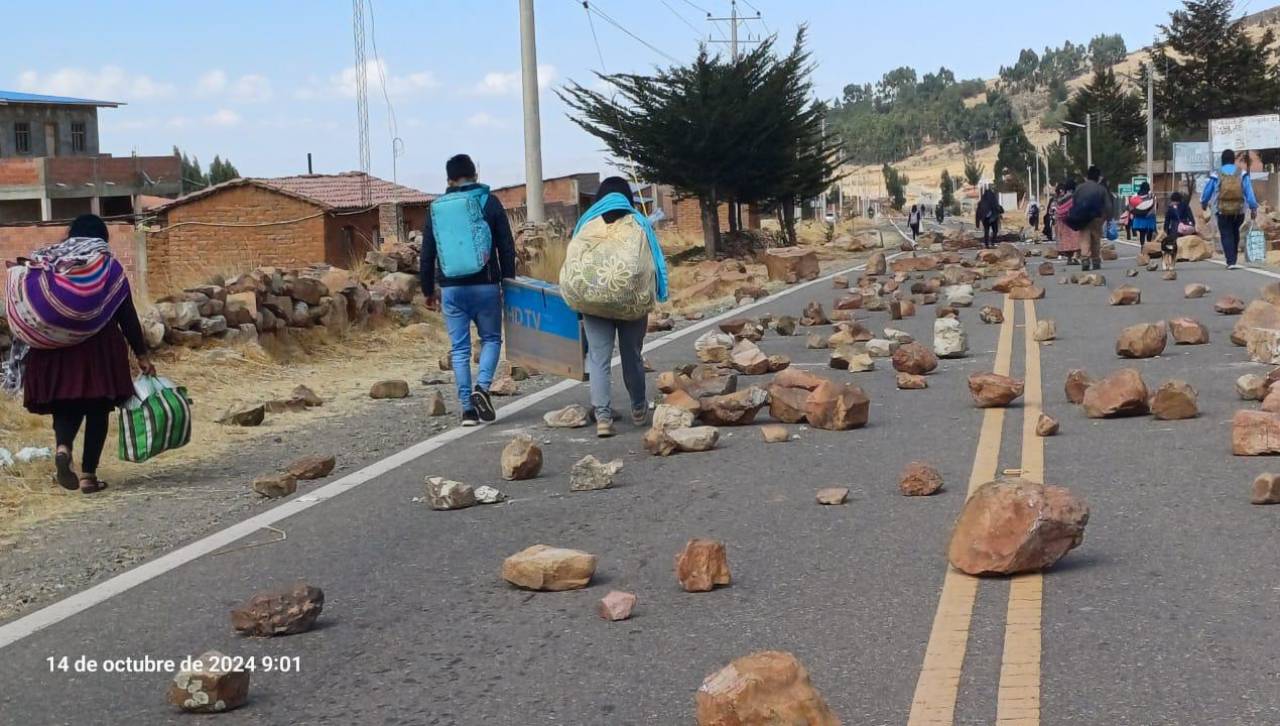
[{"x": 467, "y": 250}]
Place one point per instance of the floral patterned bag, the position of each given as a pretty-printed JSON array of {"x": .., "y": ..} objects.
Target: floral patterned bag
[{"x": 609, "y": 270}]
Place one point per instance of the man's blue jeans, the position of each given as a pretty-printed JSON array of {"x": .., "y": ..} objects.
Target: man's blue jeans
[{"x": 462, "y": 306}]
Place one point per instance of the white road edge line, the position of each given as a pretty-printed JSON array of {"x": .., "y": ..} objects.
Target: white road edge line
[
  {"x": 103, "y": 591},
  {"x": 1254, "y": 270}
]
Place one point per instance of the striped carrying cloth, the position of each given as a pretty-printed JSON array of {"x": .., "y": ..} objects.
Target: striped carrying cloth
[
  {"x": 65, "y": 293},
  {"x": 156, "y": 419}
]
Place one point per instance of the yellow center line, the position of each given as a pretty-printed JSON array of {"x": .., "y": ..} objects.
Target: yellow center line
[
  {"x": 1018, "y": 699},
  {"x": 934, "y": 701}
]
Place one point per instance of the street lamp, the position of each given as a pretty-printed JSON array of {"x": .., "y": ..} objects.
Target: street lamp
[{"x": 1088, "y": 136}]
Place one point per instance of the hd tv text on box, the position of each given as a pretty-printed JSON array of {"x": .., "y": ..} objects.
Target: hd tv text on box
[{"x": 541, "y": 330}]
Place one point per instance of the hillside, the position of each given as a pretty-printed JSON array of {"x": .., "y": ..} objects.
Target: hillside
[{"x": 925, "y": 167}]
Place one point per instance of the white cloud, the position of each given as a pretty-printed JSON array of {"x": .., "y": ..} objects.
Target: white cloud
[
  {"x": 483, "y": 120},
  {"x": 110, "y": 83},
  {"x": 223, "y": 117},
  {"x": 250, "y": 87},
  {"x": 503, "y": 84},
  {"x": 343, "y": 84},
  {"x": 213, "y": 82}
]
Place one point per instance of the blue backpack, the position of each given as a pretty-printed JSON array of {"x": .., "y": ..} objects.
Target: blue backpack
[{"x": 464, "y": 241}]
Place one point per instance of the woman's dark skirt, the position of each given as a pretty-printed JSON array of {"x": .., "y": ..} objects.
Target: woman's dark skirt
[{"x": 97, "y": 369}]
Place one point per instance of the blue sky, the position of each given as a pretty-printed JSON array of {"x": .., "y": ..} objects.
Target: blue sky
[{"x": 265, "y": 82}]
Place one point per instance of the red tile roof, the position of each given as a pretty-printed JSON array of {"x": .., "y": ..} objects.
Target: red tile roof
[
  {"x": 342, "y": 191},
  {"x": 332, "y": 192}
]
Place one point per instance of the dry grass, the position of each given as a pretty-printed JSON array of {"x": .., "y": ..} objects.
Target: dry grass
[
  {"x": 27, "y": 494},
  {"x": 546, "y": 257},
  {"x": 340, "y": 369}
]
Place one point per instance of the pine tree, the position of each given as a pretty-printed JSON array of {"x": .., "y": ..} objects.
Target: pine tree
[
  {"x": 1015, "y": 156},
  {"x": 744, "y": 129},
  {"x": 1119, "y": 128},
  {"x": 1207, "y": 67},
  {"x": 895, "y": 183},
  {"x": 947, "y": 190},
  {"x": 972, "y": 169},
  {"x": 1055, "y": 156}
]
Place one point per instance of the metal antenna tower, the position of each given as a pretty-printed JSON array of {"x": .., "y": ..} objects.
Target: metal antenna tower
[{"x": 362, "y": 99}]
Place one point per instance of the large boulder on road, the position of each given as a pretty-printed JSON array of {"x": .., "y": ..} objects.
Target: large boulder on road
[{"x": 1013, "y": 525}]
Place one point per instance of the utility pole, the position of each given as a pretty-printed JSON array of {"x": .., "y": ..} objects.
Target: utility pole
[
  {"x": 1039, "y": 185},
  {"x": 823, "y": 125},
  {"x": 1088, "y": 139},
  {"x": 1151, "y": 126},
  {"x": 734, "y": 20},
  {"x": 733, "y": 29},
  {"x": 534, "y": 210},
  {"x": 1031, "y": 186}
]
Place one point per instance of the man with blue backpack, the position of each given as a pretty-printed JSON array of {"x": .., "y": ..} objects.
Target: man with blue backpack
[
  {"x": 1234, "y": 192},
  {"x": 467, "y": 250}
]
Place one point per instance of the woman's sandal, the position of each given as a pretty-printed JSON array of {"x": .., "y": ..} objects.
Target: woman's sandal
[
  {"x": 95, "y": 485},
  {"x": 64, "y": 476}
]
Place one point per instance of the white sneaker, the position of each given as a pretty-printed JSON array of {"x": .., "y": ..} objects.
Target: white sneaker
[{"x": 1233, "y": 267}]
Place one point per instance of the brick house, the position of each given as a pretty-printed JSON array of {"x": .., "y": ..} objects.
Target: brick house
[
  {"x": 285, "y": 221},
  {"x": 685, "y": 214},
  {"x": 51, "y": 167},
  {"x": 565, "y": 198}
]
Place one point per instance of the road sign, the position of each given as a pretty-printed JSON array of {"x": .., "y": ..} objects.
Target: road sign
[
  {"x": 1125, "y": 190},
  {"x": 1139, "y": 180},
  {"x": 1245, "y": 132},
  {"x": 541, "y": 331},
  {"x": 1192, "y": 156}
]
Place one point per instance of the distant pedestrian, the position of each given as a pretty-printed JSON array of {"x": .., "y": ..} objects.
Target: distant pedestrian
[
  {"x": 914, "y": 218},
  {"x": 1178, "y": 220},
  {"x": 939, "y": 213},
  {"x": 72, "y": 310},
  {"x": 1233, "y": 189},
  {"x": 1068, "y": 238},
  {"x": 1091, "y": 208},
  {"x": 987, "y": 216},
  {"x": 614, "y": 291},
  {"x": 1142, "y": 213},
  {"x": 467, "y": 250},
  {"x": 1051, "y": 213},
  {"x": 1033, "y": 215}
]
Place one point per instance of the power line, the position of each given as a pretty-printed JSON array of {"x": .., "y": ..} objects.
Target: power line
[
  {"x": 638, "y": 39},
  {"x": 682, "y": 18},
  {"x": 586, "y": 10},
  {"x": 759, "y": 16},
  {"x": 704, "y": 11}
]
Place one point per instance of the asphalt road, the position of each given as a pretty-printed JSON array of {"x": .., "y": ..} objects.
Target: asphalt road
[{"x": 1161, "y": 617}]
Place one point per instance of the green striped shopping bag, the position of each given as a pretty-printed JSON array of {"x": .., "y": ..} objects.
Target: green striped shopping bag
[{"x": 156, "y": 419}]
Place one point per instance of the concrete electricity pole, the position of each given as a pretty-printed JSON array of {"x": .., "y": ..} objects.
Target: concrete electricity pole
[
  {"x": 1088, "y": 139},
  {"x": 534, "y": 210},
  {"x": 1151, "y": 126},
  {"x": 734, "y": 20}
]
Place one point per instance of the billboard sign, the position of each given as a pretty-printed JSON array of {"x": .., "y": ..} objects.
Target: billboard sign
[
  {"x": 1190, "y": 157},
  {"x": 1245, "y": 132}
]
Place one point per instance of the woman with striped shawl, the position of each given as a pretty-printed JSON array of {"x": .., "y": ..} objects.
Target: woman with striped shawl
[{"x": 70, "y": 308}]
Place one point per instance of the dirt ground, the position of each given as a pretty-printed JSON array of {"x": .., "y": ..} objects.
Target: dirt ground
[{"x": 53, "y": 542}]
